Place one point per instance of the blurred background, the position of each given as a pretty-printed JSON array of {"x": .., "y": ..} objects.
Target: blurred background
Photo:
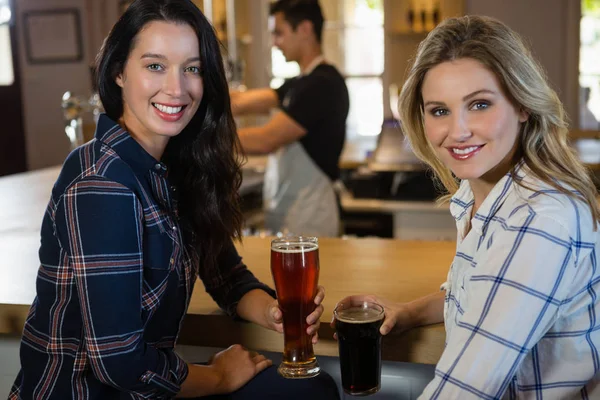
[{"x": 47, "y": 49}]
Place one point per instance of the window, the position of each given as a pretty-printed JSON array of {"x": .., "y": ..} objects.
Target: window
[
  {"x": 589, "y": 65},
  {"x": 7, "y": 76},
  {"x": 353, "y": 40}
]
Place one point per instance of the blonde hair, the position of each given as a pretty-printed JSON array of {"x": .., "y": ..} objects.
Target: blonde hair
[{"x": 543, "y": 137}]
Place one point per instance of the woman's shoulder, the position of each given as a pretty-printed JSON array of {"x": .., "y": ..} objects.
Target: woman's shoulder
[
  {"x": 546, "y": 204},
  {"x": 94, "y": 162}
]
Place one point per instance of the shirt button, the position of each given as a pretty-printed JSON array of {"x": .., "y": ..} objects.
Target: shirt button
[
  {"x": 174, "y": 228},
  {"x": 157, "y": 167},
  {"x": 172, "y": 261}
]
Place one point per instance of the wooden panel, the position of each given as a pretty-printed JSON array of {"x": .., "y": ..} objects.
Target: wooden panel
[{"x": 578, "y": 134}]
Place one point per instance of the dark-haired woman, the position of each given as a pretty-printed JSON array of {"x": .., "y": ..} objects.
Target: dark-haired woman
[{"x": 135, "y": 215}]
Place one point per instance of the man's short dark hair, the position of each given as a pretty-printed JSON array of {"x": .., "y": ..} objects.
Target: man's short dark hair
[{"x": 296, "y": 11}]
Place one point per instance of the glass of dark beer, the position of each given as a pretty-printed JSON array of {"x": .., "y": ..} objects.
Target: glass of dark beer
[
  {"x": 357, "y": 325},
  {"x": 295, "y": 269}
]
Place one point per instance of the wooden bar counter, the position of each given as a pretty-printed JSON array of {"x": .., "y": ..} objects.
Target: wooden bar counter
[
  {"x": 394, "y": 269},
  {"x": 397, "y": 270}
]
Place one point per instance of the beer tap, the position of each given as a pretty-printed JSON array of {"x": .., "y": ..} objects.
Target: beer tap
[{"x": 74, "y": 107}]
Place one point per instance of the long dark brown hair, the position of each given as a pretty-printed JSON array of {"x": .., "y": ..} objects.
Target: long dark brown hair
[{"x": 204, "y": 159}]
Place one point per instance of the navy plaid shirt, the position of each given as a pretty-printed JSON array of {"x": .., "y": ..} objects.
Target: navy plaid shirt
[
  {"x": 522, "y": 304},
  {"x": 115, "y": 280}
]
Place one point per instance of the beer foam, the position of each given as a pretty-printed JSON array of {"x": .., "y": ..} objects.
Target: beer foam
[
  {"x": 359, "y": 315},
  {"x": 294, "y": 247}
]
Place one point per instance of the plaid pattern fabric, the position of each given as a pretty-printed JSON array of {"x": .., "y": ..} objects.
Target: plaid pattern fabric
[
  {"x": 521, "y": 310},
  {"x": 115, "y": 280}
]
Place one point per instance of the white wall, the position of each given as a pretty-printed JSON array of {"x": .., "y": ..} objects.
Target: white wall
[
  {"x": 551, "y": 28},
  {"x": 6, "y": 67},
  {"x": 43, "y": 86}
]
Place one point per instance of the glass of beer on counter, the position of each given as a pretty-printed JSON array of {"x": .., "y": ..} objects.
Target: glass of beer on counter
[
  {"x": 295, "y": 269},
  {"x": 357, "y": 326}
]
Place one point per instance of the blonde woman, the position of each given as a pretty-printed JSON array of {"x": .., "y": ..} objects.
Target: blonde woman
[{"x": 521, "y": 301}]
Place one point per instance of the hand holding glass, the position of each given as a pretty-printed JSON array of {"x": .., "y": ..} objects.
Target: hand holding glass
[
  {"x": 357, "y": 326},
  {"x": 295, "y": 269}
]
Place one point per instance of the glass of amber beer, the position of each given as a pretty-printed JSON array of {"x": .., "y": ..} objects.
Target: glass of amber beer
[
  {"x": 357, "y": 326},
  {"x": 295, "y": 269}
]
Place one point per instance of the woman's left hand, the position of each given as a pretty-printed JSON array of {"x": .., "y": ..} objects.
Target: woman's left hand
[{"x": 275, "y": 316}]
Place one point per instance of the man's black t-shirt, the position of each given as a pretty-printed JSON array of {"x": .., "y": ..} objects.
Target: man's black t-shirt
[{"x": 319, "y": 102}]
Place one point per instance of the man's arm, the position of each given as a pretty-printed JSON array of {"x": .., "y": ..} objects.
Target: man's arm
[
  {"x": 254, "y": 101},
  {"x": 279, "y": 131}
]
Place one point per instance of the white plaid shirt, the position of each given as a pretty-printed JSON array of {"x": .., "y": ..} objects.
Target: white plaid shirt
[{"x": 522, "y": 308}]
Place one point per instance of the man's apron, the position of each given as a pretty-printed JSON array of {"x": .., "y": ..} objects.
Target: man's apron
[{"x": 298, "y": 197}]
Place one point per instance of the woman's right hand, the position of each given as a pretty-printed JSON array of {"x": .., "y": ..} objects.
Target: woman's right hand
[
  {"x": 397, "y": 315},
  {"x": 236, "y": 366}
]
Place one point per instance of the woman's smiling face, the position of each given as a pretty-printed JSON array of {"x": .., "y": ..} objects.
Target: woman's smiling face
[
  {"x": 469, "y": 121},
  {"x": 161, "y": 82}
]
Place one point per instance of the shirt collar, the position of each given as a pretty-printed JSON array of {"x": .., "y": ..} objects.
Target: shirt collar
[
  {"x": 129, "y": 150},
  {"x": 314, "y": 64},
  {"x": 462, "y": 202}
]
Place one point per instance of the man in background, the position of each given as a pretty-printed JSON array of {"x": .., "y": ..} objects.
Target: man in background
[{"x": 305, "y": 137}]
